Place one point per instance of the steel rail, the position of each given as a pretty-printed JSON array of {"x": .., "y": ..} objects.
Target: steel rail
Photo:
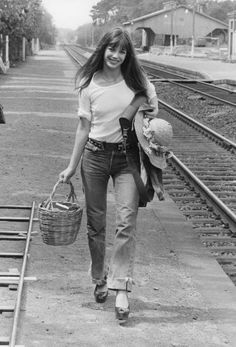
[
  {"x": 185, "y": 80},
  {"x": 21, "y": 281},
  {"x": 166, "y": 69},
  {"x": 226, "y": 143},
  {"x": 206, "y": 94},
  {"x": 209, "y": 83},
  {"x": 70, "y": 52},
  {"x": 227, "y": 215},
  {"x": 205, "y": 82}
]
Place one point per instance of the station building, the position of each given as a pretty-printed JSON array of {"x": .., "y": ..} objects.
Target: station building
[{"x": 178, "y": 25}]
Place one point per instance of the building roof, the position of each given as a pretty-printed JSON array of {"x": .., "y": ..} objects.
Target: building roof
[{"x": 164, "y": 11}]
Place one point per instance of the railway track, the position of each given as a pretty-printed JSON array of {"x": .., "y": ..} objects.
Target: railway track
[
  {"x": 76, "y": 54},
  {"x": 201, "y": 178},
  {"x": 203, "y": 87},
  {"x": 16, "y": 230}
]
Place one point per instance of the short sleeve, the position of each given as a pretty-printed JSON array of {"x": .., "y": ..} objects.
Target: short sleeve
[
  {"x": 84, "y": 108},
  {"x": 151, "y": 92}
]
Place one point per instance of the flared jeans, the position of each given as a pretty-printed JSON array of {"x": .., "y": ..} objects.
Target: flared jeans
[{"x": 98, "y": 165}]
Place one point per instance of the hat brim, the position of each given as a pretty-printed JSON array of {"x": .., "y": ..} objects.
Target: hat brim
[{"x": 156, "y": 160}]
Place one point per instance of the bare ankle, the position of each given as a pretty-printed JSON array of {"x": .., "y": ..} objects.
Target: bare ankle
[{"x": 122, "y": 298}]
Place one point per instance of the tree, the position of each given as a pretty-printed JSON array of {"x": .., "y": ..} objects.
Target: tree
[
  {"x": 219, "y": 9},
  {"x": 119, "y": 11},
  {"x": 19, "y": 17},
  {"x": 24, "y": 18},
  {"x": 47, "y": 31}
]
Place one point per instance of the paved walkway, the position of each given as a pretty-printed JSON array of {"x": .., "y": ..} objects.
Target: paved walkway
[
  {"x": 211, "y": 69},
  {"x": 182, "y": 297}
]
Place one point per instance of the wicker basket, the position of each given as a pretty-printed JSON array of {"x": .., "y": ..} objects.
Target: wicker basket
[{"x": 60, "y": 221}]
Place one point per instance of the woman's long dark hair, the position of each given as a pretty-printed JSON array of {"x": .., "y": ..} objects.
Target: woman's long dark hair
[{"x": 131, "y": 70}]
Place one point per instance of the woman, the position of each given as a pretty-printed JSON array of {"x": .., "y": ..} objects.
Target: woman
[{"x": 107, "y": 84}]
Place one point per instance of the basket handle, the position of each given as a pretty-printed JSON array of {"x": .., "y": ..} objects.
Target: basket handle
[{"x": 71, "y": 196}]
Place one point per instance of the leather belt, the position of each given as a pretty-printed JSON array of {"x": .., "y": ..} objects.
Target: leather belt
[{"x": 115, "y": 146}]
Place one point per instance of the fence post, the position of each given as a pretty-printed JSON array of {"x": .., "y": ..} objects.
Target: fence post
[
  {"x": 7, "y": 52},
  {"x": 37, "y": 48},
  {"x": 23, "y": 48}
]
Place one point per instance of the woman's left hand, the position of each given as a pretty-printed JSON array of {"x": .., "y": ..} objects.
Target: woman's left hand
[{"x": 153, "y": 112}]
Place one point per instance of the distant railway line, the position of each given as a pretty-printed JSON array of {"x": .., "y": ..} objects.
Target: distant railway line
[{"x": 206, "y": 88}]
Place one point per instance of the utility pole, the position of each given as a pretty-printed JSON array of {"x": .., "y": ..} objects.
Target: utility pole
[
  {"x": 171, "y": 28},
  {"x": 232, "y": 36},
  {"x": 193, "y": 30}
]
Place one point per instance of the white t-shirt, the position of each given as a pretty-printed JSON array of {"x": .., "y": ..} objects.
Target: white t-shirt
[{"x": 104, "y": 105}]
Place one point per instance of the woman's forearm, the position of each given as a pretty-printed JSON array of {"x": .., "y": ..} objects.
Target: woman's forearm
[{"x": 81, "y": 138}]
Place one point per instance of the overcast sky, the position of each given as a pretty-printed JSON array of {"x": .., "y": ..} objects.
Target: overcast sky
[{"x": 69, "y": 13}]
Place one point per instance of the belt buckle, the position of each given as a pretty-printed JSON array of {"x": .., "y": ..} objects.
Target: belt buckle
[{"x": 121, "y": 147}]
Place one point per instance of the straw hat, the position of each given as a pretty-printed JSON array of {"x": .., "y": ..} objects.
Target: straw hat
[{"x": 154, "y": 135}]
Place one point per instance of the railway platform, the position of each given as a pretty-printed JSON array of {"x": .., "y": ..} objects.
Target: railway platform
[
  {"x": 181, "y": 297},
  {"x": 205, "y": 68}
]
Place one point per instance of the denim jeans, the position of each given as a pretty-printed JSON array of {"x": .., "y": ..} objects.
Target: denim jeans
[{"x": 97, "y": 166}]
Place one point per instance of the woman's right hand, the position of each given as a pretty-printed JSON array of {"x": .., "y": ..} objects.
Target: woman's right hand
[{"x": 66, "y": 174}]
